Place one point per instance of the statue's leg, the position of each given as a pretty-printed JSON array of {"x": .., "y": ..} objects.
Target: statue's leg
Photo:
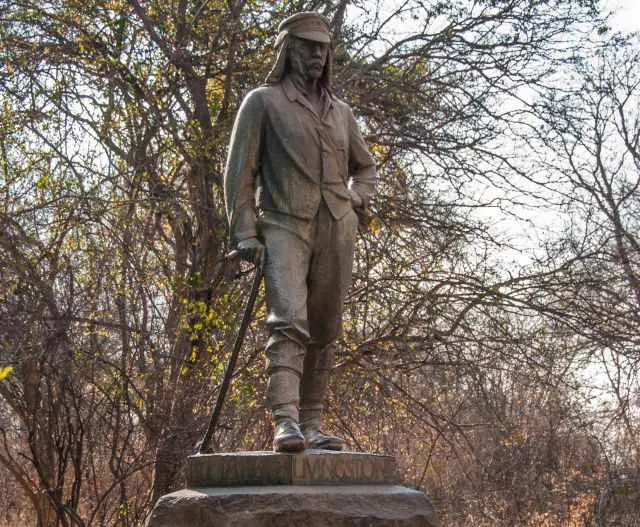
[
  {"x": 285, "y": 271},
  {"x": 329, "y": 279},
  {"x": 284, "y": 367},
  {"x": 317, "y": 368}
]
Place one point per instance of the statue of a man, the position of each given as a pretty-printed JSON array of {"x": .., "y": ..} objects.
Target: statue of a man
[{"x": 297, "y": 170}]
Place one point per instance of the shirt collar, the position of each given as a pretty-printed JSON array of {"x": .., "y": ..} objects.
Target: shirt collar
[{"x": 293, "y": 92}]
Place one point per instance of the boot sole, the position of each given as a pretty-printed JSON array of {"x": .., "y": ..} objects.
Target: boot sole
[
  {"x": 291, "y": 445},
  {"x": 326, "y": 446}
]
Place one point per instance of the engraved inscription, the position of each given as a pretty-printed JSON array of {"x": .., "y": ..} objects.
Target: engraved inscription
[
  {"x": 249, "y": 470},
  {"x": 340, "y": 469},
  {"x": 278, "y": 469}
]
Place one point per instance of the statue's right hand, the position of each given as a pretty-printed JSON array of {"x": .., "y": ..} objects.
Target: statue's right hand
[{"x": 251, "y": 250}]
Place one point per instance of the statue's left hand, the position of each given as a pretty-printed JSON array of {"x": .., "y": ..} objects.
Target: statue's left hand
[{"x": 251, "y": 250}]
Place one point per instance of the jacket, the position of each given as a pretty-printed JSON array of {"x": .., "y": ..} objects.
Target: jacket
[{"x": 297, "y": 157}]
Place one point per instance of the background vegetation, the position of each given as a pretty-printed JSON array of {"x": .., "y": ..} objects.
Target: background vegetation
[{"x": 491, "y": 338}]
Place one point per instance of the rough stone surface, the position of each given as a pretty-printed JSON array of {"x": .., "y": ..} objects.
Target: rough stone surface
[
  {"x": 295, "y": 506},
  {"x": 310, "y": 467},
  {"x": 315, "y": 488}
]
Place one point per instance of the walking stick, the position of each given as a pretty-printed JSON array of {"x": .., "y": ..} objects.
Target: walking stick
[{"x": 203, "y": 446}]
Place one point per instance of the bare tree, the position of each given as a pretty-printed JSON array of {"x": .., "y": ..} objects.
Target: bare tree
[{"x": 114, "y": 310}]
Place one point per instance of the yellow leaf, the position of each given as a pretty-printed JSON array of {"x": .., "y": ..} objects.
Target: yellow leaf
[
  {"x": 215, "y": 88},
  {"x": 375, "y": 225},
  {"x": 5, "y": 371},
  {"x": 43, "y": 182}
]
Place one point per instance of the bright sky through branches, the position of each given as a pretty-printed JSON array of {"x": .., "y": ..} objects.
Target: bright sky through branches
[{"x": 626, "y": 14}]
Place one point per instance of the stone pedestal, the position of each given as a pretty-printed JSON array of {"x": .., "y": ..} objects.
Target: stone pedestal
[{"x": 315, "y": 488}]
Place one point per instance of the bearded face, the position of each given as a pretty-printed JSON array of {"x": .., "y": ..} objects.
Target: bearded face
[{"x": 307, "y": 58}]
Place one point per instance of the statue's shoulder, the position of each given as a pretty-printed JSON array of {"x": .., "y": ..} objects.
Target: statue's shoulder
[
  {"x": 254, "y": 95},
  {"x": 257, "y": 100},
  {"x": 268, "y": 90},
  {"x": 263, "y": 95},
  {"x": 342, "y": 106}
]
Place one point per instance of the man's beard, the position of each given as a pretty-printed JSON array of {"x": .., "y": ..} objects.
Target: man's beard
[
  {"x": 308, "y": 71},
  {"x": 315, "y": 70}
]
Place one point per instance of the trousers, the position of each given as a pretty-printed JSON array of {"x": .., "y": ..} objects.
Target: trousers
[{"x": 307, "y": 273}]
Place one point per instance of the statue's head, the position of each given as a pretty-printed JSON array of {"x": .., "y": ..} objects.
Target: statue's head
[{"x": 304, "y": 47}]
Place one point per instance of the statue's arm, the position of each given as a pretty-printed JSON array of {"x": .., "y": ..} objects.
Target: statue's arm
[
  {"x": 362, "y": 167},
  {"x": 243, "y": 162}
]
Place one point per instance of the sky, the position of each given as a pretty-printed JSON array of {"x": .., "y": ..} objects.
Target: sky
[{"x": 627, "y": 16}]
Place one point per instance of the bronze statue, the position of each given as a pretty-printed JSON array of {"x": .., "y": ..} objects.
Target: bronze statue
[{"x": 298, "y": 148}]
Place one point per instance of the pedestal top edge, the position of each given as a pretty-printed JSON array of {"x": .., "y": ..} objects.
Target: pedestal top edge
[
  {"x": 287, "y": 490},
  {"x": 270, "y": 453}
]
